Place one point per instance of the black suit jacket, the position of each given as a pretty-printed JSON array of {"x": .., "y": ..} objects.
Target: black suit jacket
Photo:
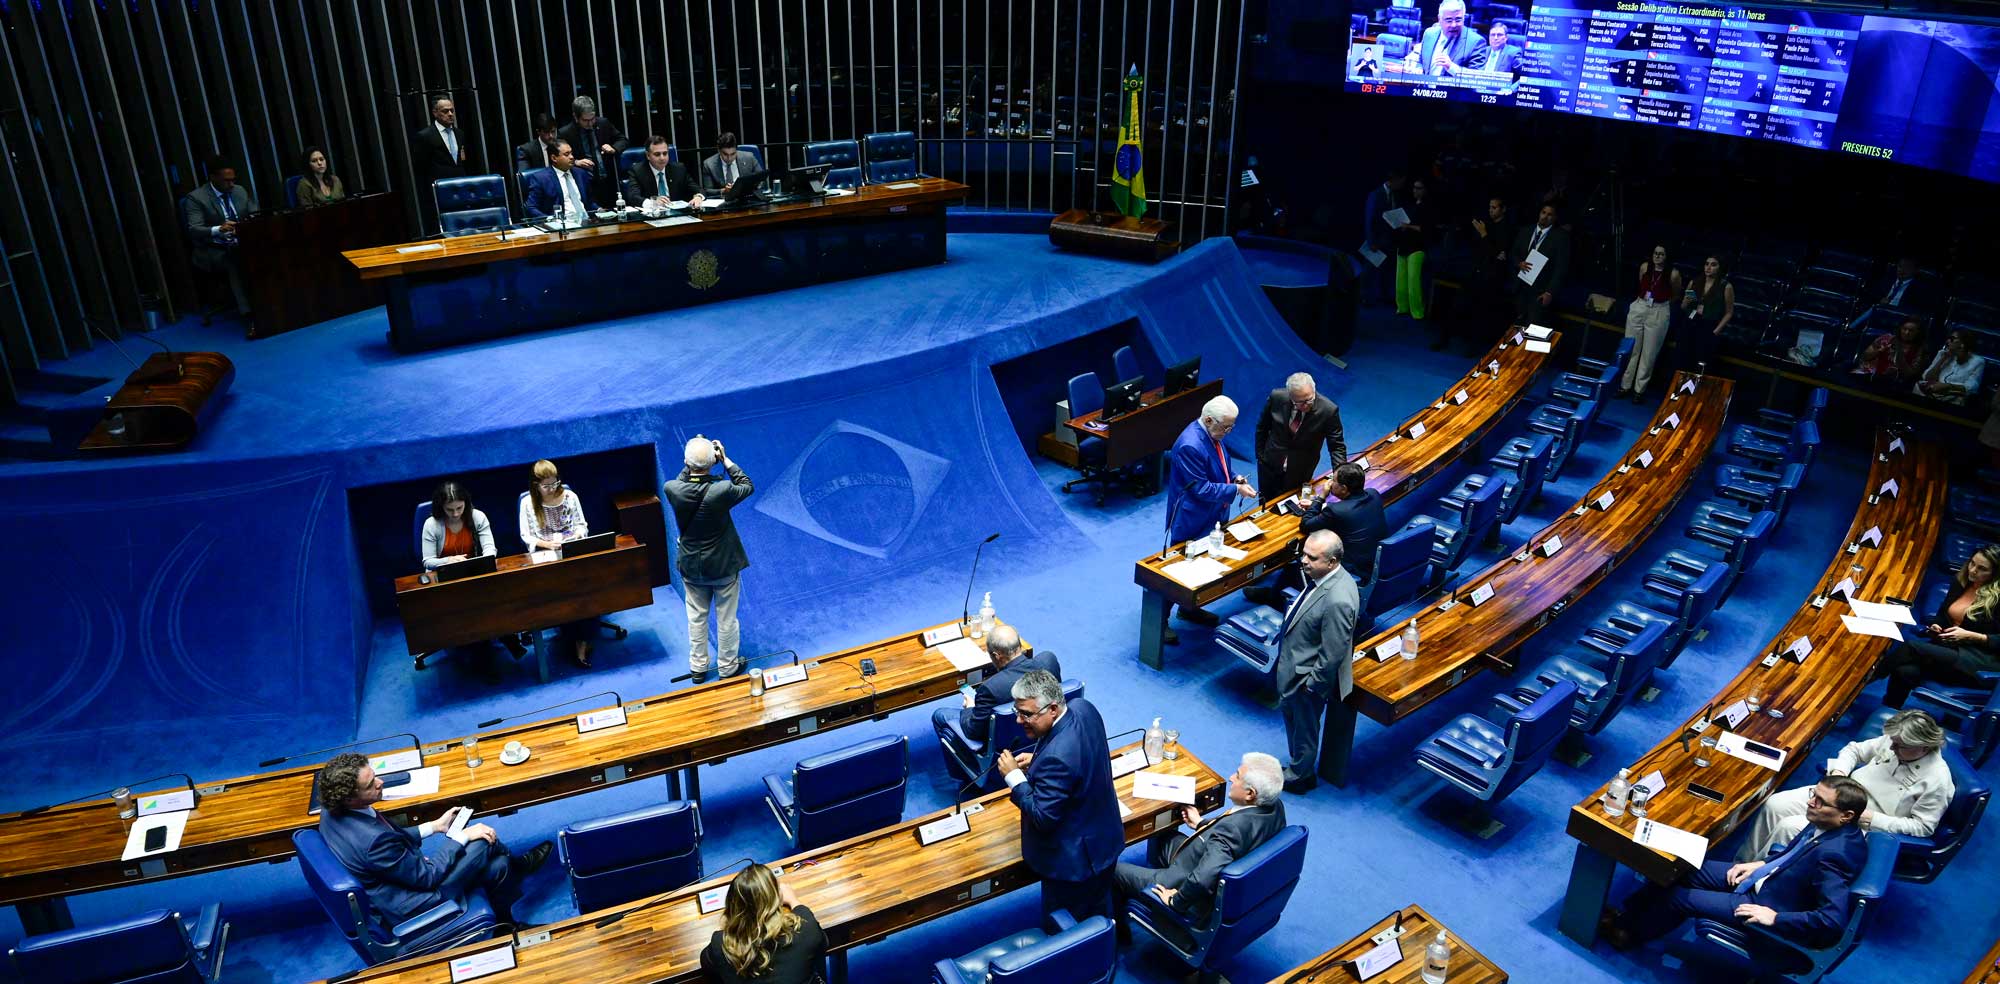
[
  {"x": 1809, "y": 891},
  {"x": 1921, "y": 295},
  {"x": 680, "y": 187},
  {"x": 1275, "y": 440},
  {"x": 1555, "y": 246},
  {"x": 1359, "y": 523},
  {"x": 998, "y": 689},
  {"x": 796, "y": 962},
  {"x": 607, "y": 133},
  {"x": 711, "y": 552},
  {"x": 530, "y": 155},
  {"x": 1197, "y": 860},
  {"x": 433, "y": 162}
]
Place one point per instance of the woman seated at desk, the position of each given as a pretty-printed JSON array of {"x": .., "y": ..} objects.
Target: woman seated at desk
[
  {"x": 551, "y": 514},
  {"x": 1963, "y": 639},
  {"x": 319, "y": 185},
  {"x": 767, "y": 937},
  {"x": 456, "y": 532}
]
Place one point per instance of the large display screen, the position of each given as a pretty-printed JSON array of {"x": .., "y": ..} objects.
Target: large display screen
[{"x": 1914, "y": 91}]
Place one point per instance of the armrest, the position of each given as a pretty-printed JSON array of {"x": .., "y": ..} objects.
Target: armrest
[
  {"x": 1912, "y": 844},
  {"x": 1512, "y": 702},
  {"x": 1601, "y": 641},
  {"x": 1709, "y": 534},
  {"x": 1466, "y": 752},
  {"x": 1061, "y": 921},
  {"x": 1777, "y": 419},
  {"x": 1758, "y": 474},
  {"x": 1951, "y": 701},
  {"x": 207, "y": 924},
  {"x": 430, "y": 918}
]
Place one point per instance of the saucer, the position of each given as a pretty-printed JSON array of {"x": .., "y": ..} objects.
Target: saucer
[{"x": 508, "y": 759}]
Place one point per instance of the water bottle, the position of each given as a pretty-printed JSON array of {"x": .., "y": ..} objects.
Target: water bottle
[
  {"x": 1620, "y": 791},
  {"x": 986, "y": 613},
  {"x": 1215, "y": 538},
  {"x": 1410, "y": 638},
  {"x": 1156, "y": 743},
  {"x": 619, "y": 203},
  {"x": 1437, "y": 957}
]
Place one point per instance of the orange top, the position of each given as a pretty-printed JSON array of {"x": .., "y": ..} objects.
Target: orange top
[{"x": 457, "y": 544}]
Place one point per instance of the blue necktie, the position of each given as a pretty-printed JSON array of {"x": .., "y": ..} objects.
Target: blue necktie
[
  {"x": 451, "y": 143},
  {"x": 1806, "y": 839}
]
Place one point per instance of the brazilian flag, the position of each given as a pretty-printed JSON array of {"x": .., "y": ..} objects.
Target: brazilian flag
[{"x": 1128, "y": 175}]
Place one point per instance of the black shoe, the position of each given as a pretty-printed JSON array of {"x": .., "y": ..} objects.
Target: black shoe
[
  {"x": 1638, "y": 397},
  {"x": 514, "y": 647},
  {"x": 531, "y": 862},
  {"x": 698, "y": 677},
  {"x": 1197, "y": 616},
  {"x": 1264, "y": 594},
  {"x": 1170, "y": 637},
  {"x": 1301, "y": 786}
]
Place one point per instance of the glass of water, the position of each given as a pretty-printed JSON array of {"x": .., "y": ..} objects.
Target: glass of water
[
  {"x": 127, "y": 806},
  {"x": 1173, "y": 744},
  {"x": 1701, "y": 756},
  {"x": 1753, "y": 700},
  {"x": 1306, "y": 494},
  {"x": 472, "y": 759},
  {"x": 1640, "y": 795}
]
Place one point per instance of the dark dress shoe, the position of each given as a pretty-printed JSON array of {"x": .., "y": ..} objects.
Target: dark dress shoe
[
  {"x": 530, "y": 862},
  {"x": 1197, "y": 616},
  {"x": 1169, "y": 636},
  {"x": 580, "y": 658},
  {"x": 1301, "y": 786}
]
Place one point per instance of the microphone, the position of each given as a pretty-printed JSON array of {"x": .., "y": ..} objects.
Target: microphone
[
  {"x": 613, "y": 919},
  {"x": 975, "y": 781},
  {"x": 965, "y": 616},
  {"x": 33, "y": 810},
  {"x": 613, "y": 694},
  {"x": 1111, "y": 741},
  {"x": 282, "y": 759}
]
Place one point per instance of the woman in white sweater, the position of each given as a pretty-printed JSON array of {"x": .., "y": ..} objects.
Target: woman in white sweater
[{"x": 551, "y": 514}]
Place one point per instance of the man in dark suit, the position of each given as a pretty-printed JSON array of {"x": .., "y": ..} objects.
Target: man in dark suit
[
  {"x": 720, "y": 170},
  {"x": 1532, "y": 300},
  {"x": 1498, "y": 56},
  {"x": 1181, "y": 870},
  {"x": 1295, "y": 422},
  {"x": 440, "y": 152},
  {"x": 1376, "y": 233},
  {"x": 1493, "y": 276},
  {"x": 597, "y": 141},
  {"x": 660, "y": 179},
  {"x": 1315, "y": 654},
  {"x": 539, "y": 148},
  {"x": 711, "y": 554},
  {"x": 1354, "y": 513},
  {"x": 975, "y": 715},
  {"x": 1906, "y": 289},
  {"x": 400, "y": 879},
  {"x": 559, "y": 189},
  {"x": 1200, "y": 485},
  {"x": 208, "y": 218},
  {"x": 1800, "y": 893},
  {"x": 1070, "y": 831}
]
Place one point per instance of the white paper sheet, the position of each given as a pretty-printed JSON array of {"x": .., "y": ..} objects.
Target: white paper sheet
[
  {"x": 1244, "y": 529},
  {"x": 175, "y": 824},
  {"x": 901, "y": 185},
  {"x": 423, "y": 782},
  {"x": 1227, "y": 552},
  {"x": 1872, "y": 626},
  {"x": 1540, "y": 331},
  {"x": 1732, "y": 743},
  {"x": 1684, "y": 844},
  {"x": 1536, "y": 261},
  {"x": 1372, "y": 255},
  {"x": 1396, "y": 217},
  {"x": 1195, "y": 572},
  {"x": 1163, "y": 786},
  {"x": 671, "y": 220},
  {"x": 964, "y": 655},
  {"x": 1538, "y": 347},
  {"x": 1882, "y": 612}
]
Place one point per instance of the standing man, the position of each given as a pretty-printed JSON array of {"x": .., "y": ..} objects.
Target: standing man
[
  {"x": 593, "y": 137},
  {"x": 562, "y": 189},
  {"x": 440, "y": 153},
  {"x": 1181, "y": 870},
  {"x": 1295, "y": 421},
  {"x": 720, "y": 170},
  {"x": 1375, "y": 231},
  {"x": 1492, "y": 273},
  {"x": 975, "y": 715},
  {"x": 1532, "y": 300},
  {"x": 712, "y": 556},
  {"x": 1200, "y": 485},
  {"x": 1315, "y": 654},
  {"x": 208, "y": 217},
  {"x": 660, "y": 179},
  {"x": 539, "y": 148},
  {"x": 398, "y": 877},
  {"x": 1070, "y": 832}
]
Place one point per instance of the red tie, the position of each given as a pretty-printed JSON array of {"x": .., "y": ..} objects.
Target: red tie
[
  {"x": 1222, "y": 456},
  {"x": 1297, "y": 416}
]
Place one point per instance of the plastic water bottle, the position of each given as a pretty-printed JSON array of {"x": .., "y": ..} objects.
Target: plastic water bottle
[
  {"x": 1215, "y": 538},
  {"x": 1437, "y": 957},
  {"x": 1620, "y": 791},
  {"x": 1410, "y": 639},
  {"x": 1156, "y": 743},
  {"x": 619, "y": 203},
  {"x": 986, "y": 613}
]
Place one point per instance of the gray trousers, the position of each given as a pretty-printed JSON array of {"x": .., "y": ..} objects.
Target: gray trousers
[
  {"x": 721, "y": 597},
  {"x": 1303, "y": 711}
]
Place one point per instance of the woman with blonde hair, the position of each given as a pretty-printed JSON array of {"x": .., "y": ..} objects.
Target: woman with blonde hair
[
  {"x": 551, "y": 515},
  {"x": 1963, "y": 638},
  {"x": 767, "y": 937}
]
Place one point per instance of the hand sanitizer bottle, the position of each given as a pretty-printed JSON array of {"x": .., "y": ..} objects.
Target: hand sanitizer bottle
[
  {"x": 1619, "y": 791},
  {"x": 1215, "y": 538},
  {"x": 1437, "y": 957},
  {"x": 1156, "y": 743},
  {"x": 986, "y": 613},
  {"x": 1410, "y": 639}
]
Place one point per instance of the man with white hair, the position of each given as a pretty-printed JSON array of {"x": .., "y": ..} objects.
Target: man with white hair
[
  {"x": 1446, "y": 44},
  {"x": 1908, "y": 784},
  {"x": 711, "y": 554},
  {"x": 1182, "y": 868},
  {"x": 1315, "y": 654},
  {"x": 1295, "y": 422},
  {"x": 1201, "y": 487}
]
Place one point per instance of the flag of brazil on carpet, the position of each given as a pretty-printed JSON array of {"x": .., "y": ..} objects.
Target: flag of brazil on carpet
[{"x": 1128, "y": 175}]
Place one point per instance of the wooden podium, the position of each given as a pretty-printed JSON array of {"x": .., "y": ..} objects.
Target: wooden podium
[
  {"x": 1111, "y": 234},
  {"x": 162, "y": 404}
]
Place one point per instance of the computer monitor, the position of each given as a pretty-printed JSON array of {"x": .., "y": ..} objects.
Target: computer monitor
[
  {"x": 808, "y": 181},
  {"x": 1183, "y": 376},
  {"x": 589, "y": 545},
  {"x": 469, "y": 567},
  {"x": 746, "y": 190},
  {"x": 1123, "y": 398}
]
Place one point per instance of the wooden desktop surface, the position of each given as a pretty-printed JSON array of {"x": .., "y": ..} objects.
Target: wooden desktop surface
[
  {"x": 1812, "y": 695},
  {"x": 1148, "y": 430},
  {"x": 292, "y": 262},
  {"x": 1397, "y": 465},
  {"x": 1468, "y": 966},
  {"x": 493, "y": 247},
  {"x": 1459, "y": 642},
  {"x": 76, "y": 848},
  {"x": 521, "y": 595},
  {"x": 861, "y": 889},
  {"x": 1988, "y": 970}
]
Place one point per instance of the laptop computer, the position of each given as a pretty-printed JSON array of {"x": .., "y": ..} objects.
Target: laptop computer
[
  {"x": 469, "y": 567},
  {"x": 745, "y": 193},
  {"x": 589, "y": 545}
]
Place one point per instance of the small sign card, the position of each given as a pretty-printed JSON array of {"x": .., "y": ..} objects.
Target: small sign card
[
  {"x": 712, "y": 899},
  {"x": 166, "y": 802},
  {"x": 1799, "y": 649},
  {"x": 1735, "y": 714},
  {"x": 1518, "y": 338},
  {"x": 1460, "y": 397},
  {"x": 1873, "y": 537},
  {"x": 1603, "y": 501},
  {"x": 1394, "y": 647},
  {"x": 1672, "y": 422},
  {"x": 482, "y": 963},
  {"x": 1845, "y": 589},
  {"x": 1889, "y": 488},
  {"x": 1379, "y": 959},
  {"x": 1361, "y": 463},
  {"x": 590, "y": 721},
  {"x": 944, "y": 828},
  {"x": 1481, "y": 595},
  {"x": 1416, "y": 431},
  {"x": 1551, "y": 545},
  {"x": 1896, "y": 445},
  {"x": 779, "y": 676},
  {"x": 402, "y": 761},
  {"x": 1687, "y": 386},
  {"x": 942, "y": 634},
  {"x": 1494, "y": 366},
  {"x": 1645, "y": 459}
]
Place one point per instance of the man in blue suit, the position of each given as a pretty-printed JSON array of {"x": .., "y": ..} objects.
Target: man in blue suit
[
  {"x": 1070, "y": 831},
  {"x": 1800, "y": 893},
  {"x": 1200, "y": 485},
  {"x": 400, "y": 879},
  {"x": 559, "y": 189}
]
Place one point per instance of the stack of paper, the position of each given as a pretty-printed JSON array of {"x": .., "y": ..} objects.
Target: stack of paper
[
  {"x": 1244, "y": 529},
  {"x": 1686, "y": 845},
  {"x": 423, "y": 782},
  {"x": 964, "y": 655},
  {"x": 1195, "y": 572}
]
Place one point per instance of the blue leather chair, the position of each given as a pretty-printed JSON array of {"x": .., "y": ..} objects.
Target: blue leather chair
[
  {"x": 1577, "y": 387},
  {"x": 1086, "y": 395},
  {"x": 757, "y": 152},
  {"x": 1524, "y": 485},
  {"x": 1958, "y": 548},
  {"x": 156, "y": 947},
  {"x": 968, "y": 760},
  {"x": 1461, "y": 524},
  {"x": 1250, "y": 895},
  {"x": 1079, "y": 953},
  {"x": 1489, "y": 760},
  {"x": 617, "y": 859},
  {"x": 1976, "y": 510},
  {"x": 1776, "y": 425},
  {"x": 844, "y": 155},
  {"x": 1407, "y": 26},
  {"x": 1922, "y": 859},
  {"x": 1394, "y": 45},
  {"x": 837, "y": 794},
  {"x": 1567, "y": 427},
  {"x": 340, "y": 894},
  {"x": 1252, "y": 634},
  {"x": 1605, "y": 682},
  {"x": 1125, "y": 364},
  {"x": 292, "y": 190},
  {"x": 1677, "y": 569},
  {"x": 626, "y": 159},
  {"x": 1402, "y": 567},
  {"x": 477, "y": 203},
  {"x": 1974, "y": 710},
  {"x": 1683, "y": 610},
  {"x": 1772, "y": 452},
  {"x": 891, "y": 156},
  {"x": 1773, "y": 956},
  {"x": 1756, "y": 489}
]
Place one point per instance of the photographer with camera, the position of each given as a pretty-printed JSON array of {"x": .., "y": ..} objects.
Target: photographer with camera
[{"x": 711, "y": 554}]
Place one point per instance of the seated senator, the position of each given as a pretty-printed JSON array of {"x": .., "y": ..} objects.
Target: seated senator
[
  {"x": 1894, "y": 359},
  {"x": 1498, "y": 56},
  {"x": 1908, "y": 783},
  {"x": 767, "y": 935},
  {"x": 318, "y": 184},
  {"x": 1182, "y": 869},
  {"x": 401, "y": 879},
  {"x": 1003, "y": 644},
  {"x": 1800, "y": 894},
  {"x": 1955, "y": 373},
  {"x": 1350, "y": 509},
  {"x": 551, "y": 514},
  {"x": 1960, "y": 642},
  {"x": 659, "y": 179},
  {"x": 560, "y": 189},
  {"x": 720, "y": 170}
]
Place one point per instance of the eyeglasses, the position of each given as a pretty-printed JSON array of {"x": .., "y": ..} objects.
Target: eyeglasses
[
  {"x": 549, "y": 486},
  {"x": 1020, "y": 715}
]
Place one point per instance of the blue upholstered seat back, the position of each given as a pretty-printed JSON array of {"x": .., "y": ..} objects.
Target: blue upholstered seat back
[
  {"x": 1252, "y": 892},
  {"x": 150, "y": 947},
  {"x": 1086, "y": 953},
  {"x": 631, "y": 855}
]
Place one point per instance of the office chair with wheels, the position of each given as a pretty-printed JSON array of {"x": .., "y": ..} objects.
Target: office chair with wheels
[{"x": 368, "y": 931}]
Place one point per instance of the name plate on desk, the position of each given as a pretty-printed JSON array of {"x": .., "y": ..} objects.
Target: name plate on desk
[
  {"x": 1377, "y": 960},
  {"x": 1672, "y": 422},
  {"x": 1494, "y": 367},
  {"x": 1889, "y": 488},
  {"x": 1361, "y": 463},
  {"x": 483, "y": 963},
  {"x": 783, "y": 675},
  {"x": 1799, "y": 649},
  {"x": 590, "y": 721},
  {"x": 1480, "y": 595},
  {"x": 1416, "y": 431},
  {"x": 420, "y": 248},
  {"x": 711, "y": 899},
  {"x": 1873, "y": 537},
  {"x": 1394, "y": 647},
  {"x": 1550, "y": 545},
  {"x": 1460, "y": 397},
  {"x": 943, "y": 828},
  {"x": 1896, "y": 445},
  {"x": 403, "y": 761},
  {"x": 1603, "y": 501},
  {"x": 1128, "y": 763},
  {"x": 182, "y": 799},
  {"x": 1687, "y": 386},
  {"x": 1845, "y": 589},
  {"x": 943, "y": 634},
  {"x": 1644, "y": 460}
]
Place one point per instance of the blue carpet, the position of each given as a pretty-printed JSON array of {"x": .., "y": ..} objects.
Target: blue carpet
[{"x": 1386, "y": 840}]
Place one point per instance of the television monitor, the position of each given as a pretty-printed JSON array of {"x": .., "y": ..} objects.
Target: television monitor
[
  {"x": 808, "y": 181},
  {"x": 1183, "y": 376},
  {"x": 469, "y": 567},
  {"x": 589, "y": 545},
  {"x": 1123, "y": 398}
]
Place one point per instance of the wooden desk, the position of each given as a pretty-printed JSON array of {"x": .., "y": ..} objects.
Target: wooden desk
[
  {"x": 1460, "y": 640},
  {"x": 163, "y": 403},
  {"x": 1468, "y": 966},
  {"x": 1812, "y": 695},
  {"x": 75, "y": 848},
  {"x": 447, "y": 291},
  {"x": 1988, "y": 970},
  {"x": 521, "y": 595},
  {"x": 1397, "y": 465},
  {"x": 862, "y": 889},
  {"x": 1149, "y": 430},
  {"x": 292, "y": 262}
]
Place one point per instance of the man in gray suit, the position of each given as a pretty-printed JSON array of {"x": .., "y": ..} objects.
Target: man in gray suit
[
  {"x": 1182, "y": 869},
  {"x": 720, "y": 170},
  {"x": 712, "y": 554},
  {"x": 208, "y": 218},
  {"x": 1315, "y": 653}
]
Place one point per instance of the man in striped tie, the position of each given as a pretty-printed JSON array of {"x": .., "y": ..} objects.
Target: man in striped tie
[{"x": 209, "y": 215}]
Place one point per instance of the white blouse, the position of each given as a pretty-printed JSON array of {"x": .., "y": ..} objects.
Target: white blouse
[
  {"x": 558, "y": 524},
  {"x": 1906, "y": 797}
]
